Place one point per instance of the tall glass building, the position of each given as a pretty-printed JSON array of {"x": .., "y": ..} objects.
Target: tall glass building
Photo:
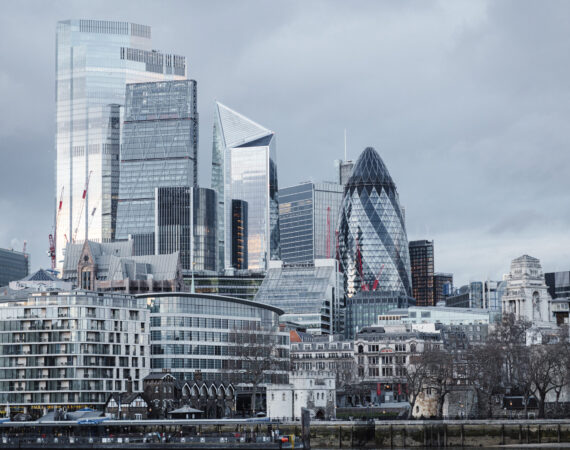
[
  {"x": 13, "y": 266},
  {"x": 308, "y": 213},
  {"x": 95, "y": 59},
  {"x": 244, "y": 167},
  {"x": 422, "y": 262},
  {"x": 373, "y": 245},
  {"x": 159, "y": 149},
  {"x": 176, "y": 209}
]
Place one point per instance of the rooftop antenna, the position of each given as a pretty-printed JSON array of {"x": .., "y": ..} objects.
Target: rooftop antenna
[{"x": 345, "y": 145}]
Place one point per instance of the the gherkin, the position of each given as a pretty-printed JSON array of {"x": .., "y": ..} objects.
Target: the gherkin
[{"x": 372, "y": 241}]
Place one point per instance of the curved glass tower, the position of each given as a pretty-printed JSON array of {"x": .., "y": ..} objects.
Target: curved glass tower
[{"x": 372, "y": 241}]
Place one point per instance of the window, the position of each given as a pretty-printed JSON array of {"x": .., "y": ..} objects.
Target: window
[{"x": 283, "y": 396}]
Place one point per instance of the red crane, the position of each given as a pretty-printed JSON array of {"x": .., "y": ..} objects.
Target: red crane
[
  {"x": 83, "y": 197},
  {"x": 377, "y": 280},
  {"x": 52, "y": 237}
]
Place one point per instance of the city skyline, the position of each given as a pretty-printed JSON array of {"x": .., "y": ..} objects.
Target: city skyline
[{"x": 481, "y": 85}]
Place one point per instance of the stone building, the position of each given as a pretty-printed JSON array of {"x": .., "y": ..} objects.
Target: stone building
[
  {"x": 314, "y": 390},
  {"x": 330, "y": 353},
  {"x": 526, "y": 294},
  {"x": 166, "y": 395}
]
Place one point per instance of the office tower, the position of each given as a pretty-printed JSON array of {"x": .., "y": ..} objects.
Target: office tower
[
  {"x": 159, "y": 149},
  {"x": 308, "y": 214},
  {"x": 308, "y": 294},
  {"x": 176, "y": 209},
  {"x": 421, "y": 263},
  {"x": 95, "y": 60},
  {"x": 244, "y": 167},
  {"x": 558, "y": 284},
  {"x": 442, "y": 286},
  {"x": 559, "y": 289},
  {"x": 373, "y": 245},
  {"x": 13, "y": 266},
  {"x": 344, "y": 171},
  {"x": 239, "y": 234},
  {"x": 183, "y": 317}
]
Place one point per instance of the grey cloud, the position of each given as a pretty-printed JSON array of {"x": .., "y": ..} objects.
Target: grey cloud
[{"x": 467, "y": 103}]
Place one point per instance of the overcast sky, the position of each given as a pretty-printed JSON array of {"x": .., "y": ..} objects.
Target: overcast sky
[{"x": 468, "y": 104}]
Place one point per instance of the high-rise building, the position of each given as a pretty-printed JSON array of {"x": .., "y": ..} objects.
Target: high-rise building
[
  {"x": 442, "y": 286},
  {"x": 422, "y": 266},
  {"x": 558, "y": 284},
  {"x": 159, "y": 149},
  {"x": 239, "y": 234},
  {"x": 373, "y": 245},
  {"x": 176, "y": 209},
  {"x": 244, "y": 167},
  {"x": 344, "y": 171},
  {"x": 95, "y": 59},
  {"x": 13, "y": 266},
  {"x": 308, "y": 213}
]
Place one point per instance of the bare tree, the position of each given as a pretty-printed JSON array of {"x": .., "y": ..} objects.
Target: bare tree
[
  {"x": 484, "y": 371},
  {"x": 416, "y": 374},
  {"x": 258, "y": 359},
  {"x": 544, "y": 367}
]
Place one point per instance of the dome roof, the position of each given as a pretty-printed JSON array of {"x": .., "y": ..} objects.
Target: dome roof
[{"x": 370, "y": 170}]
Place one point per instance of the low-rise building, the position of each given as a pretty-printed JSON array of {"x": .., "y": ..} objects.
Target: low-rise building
[
  {"x": 330, "y": 353},
  {"x": 127, "y": 406},
  {"x": 314, "y": 390}
]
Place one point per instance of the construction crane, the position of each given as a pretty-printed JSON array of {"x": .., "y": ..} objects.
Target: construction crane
[
  {"x": 83, "y": 199},
  {"x": 53, "y": 236}
]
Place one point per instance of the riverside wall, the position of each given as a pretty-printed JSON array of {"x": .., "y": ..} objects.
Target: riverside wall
[{"x": 433, "y": 433}]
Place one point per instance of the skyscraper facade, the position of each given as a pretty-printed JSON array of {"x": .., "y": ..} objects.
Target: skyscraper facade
[
  {"x": 344, "y": 171},
  {"x": 13, "y": 266},
  {"x": 244, "y": 167},
  {"x": 176, "y": 209},
  {"x": 159, "y": 149},
  {"x": 442, "y": 286},
  {"x": 95, "y": 59},
  {"x": 307, "y": 221},
  {"x": 373, "y": 244},
  {"x": 239, "y": 234},
  {"x": 422, "y": 267}
]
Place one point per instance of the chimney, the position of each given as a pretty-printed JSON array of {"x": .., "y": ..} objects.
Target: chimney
[{"x": 129, "y": 385}]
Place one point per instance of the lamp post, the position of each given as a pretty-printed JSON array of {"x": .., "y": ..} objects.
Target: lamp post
[{"x": 511, "y": 409}]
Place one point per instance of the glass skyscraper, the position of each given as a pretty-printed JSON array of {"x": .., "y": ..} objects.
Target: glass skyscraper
[
  {"x": 373, "y": 245},
  {"x": 95, "y": 59},
  {"x": 176, "y": 209},
  {"x": 422, "y": 262},
  {"x": 159, "y": 149},
  {"x": 244, "y": 167},
  {"x": 13, "y": 266},
  {"x": 308, "y": 214}
]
